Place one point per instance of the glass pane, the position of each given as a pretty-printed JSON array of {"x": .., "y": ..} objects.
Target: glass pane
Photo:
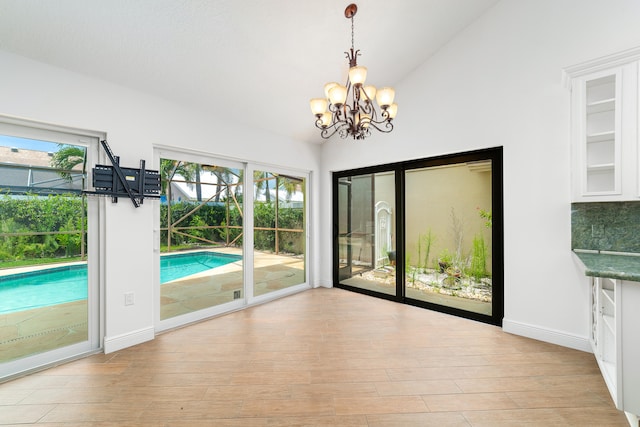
[
  {"x": 43, "y": 255},
  {"x": 279, "y": 232},
  {"x": 200, "y": 237},
  {"x": 366, "y": 224},
  {"x": 448, "y": 236}
]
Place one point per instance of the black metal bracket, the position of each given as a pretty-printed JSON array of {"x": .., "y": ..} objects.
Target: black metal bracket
[{"x": 116, "y": 181}]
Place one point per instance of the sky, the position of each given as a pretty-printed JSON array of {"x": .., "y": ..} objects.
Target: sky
[{"x": 29, "y": 144}]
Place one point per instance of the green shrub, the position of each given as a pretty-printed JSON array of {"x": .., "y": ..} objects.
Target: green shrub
[{"x": 33, "y": 214}]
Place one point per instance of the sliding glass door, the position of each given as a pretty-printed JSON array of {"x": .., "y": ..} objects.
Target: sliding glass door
[
  {"x": 426, "y": 232},
  {"x": 229, "y": 234},
  {"x": 366, "y": 220},
  {"x": 448, "y": 235},
  {"x": 200, "y": 240},
  {"x": 49, "y": 284},
  {"x": 279, "y": 237}
]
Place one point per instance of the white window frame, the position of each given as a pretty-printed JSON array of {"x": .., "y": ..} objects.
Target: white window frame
[{"x": 195, "y": 156}]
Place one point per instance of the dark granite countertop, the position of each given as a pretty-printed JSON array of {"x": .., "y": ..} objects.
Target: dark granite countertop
[{"x": 613, "y": 266}]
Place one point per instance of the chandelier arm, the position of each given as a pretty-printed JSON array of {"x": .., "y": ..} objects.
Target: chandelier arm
[
  {"x": 344, "y": 133},
  {"x": 367, "y": 108},
  {"x": 338, "y": 126},
  {"x": 386, "y": 128}
]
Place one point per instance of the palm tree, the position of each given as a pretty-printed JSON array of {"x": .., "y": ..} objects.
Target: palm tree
[
  {"x": 169, "y": 168},
  {"x": 261, "y": 180},
  {"x": 290, "y": 184},
  {"x": 197, "y": 170},
  {"x": 66, "y": 158},
  {"x": 222, "y": 177}
]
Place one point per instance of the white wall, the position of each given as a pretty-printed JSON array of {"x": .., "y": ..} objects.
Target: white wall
[
  {"x": 134, "y": 122},
  {"x": 499, "y": 83}
]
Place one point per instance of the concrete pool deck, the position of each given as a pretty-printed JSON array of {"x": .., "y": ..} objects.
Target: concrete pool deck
[{"x": 38, "y": 330}]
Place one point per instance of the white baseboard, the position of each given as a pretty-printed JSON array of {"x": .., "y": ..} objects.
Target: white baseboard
[
  {"x": 129, "y": 339},
  {"x": 323, "y": 283},
  {"x": 634, "y": 420},
  {"x": 547, "y": 335}
]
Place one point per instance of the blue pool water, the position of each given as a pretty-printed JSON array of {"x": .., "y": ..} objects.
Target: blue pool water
[
  {"x": 59, "y": 285},
  {"x": 174, "y": 267}
]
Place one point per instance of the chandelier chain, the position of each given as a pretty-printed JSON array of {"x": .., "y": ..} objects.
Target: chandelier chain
[{"x": 352, "y": 35}]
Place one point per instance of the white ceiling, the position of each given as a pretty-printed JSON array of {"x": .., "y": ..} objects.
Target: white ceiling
[{"x": 259, "y": 61}]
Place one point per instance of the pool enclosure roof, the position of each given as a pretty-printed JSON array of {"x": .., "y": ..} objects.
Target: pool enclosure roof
[{"x": 24, "y": 171}]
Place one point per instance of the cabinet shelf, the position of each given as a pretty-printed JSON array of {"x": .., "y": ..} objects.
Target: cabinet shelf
[
  {"x": 602, "y": 105},
  {"x": 610, "y": 296},
  {"x": 601, "y": 136},
  {"x": 601, "y": 167},
  {"x": 610, "y": 323}
]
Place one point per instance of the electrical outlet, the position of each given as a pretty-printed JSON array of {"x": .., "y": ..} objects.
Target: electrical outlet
[{"x": 128, "y": 298}]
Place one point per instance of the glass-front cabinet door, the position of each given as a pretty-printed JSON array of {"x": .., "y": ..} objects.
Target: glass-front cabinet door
[{"x": 426, "y": 232}]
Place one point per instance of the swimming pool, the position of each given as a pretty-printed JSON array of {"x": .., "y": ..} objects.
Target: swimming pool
[
  {"x": 60, "y": 285},
  {"x": 173, "y": 267}
]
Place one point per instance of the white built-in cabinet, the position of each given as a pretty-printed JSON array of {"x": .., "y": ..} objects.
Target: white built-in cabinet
[
  {"x": 604, "y": 128},
  {"x": 615, "y": 339}
]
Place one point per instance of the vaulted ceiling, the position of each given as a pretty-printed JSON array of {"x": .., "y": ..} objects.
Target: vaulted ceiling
[{"x": 256, "y": 61}]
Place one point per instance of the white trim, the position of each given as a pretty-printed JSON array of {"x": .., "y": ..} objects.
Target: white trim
[
  {"x": 38, "y": 362},
  {"x": 198, "y": 315},
  {"x": 552, "y": 336},
  {"x": 248, "y": 233},
  {"x": 129, "y": 339},
  {"x": 196, "y": 156},
  {"x": 281, "y": 293},
  {"x": 50, "y": 127},
  {"x": 599, "y": 64}
]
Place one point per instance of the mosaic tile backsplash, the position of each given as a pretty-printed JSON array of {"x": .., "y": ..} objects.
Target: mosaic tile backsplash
[{"x": 606, "y": 226}]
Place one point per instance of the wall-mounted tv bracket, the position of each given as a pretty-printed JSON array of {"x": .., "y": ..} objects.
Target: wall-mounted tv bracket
[{"x": 116, "y": 181}]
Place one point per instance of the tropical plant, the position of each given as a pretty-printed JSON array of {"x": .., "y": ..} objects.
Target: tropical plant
[
  {"x": 290, "y": 184},
  {"x": 487, "y": 217},
  {"x": 445, "y": 260},
  {"x": 66, "y": 158},
  {"x": 169, "y": 168},
  {"x": 478, "y": 264},
  {"x": 457, "y": 230},
  {"x": 261, "y": 181},
  {"x": 427, "y": 240}
]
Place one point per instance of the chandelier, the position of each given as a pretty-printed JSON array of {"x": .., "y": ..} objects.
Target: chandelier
[{"x": 349, "y": 110}]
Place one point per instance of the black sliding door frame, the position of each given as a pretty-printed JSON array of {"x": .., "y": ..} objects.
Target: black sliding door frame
[{"x": 497, "y": 230}]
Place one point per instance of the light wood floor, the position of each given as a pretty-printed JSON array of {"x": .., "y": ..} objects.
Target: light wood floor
[{"x": 322, "y": 357}]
